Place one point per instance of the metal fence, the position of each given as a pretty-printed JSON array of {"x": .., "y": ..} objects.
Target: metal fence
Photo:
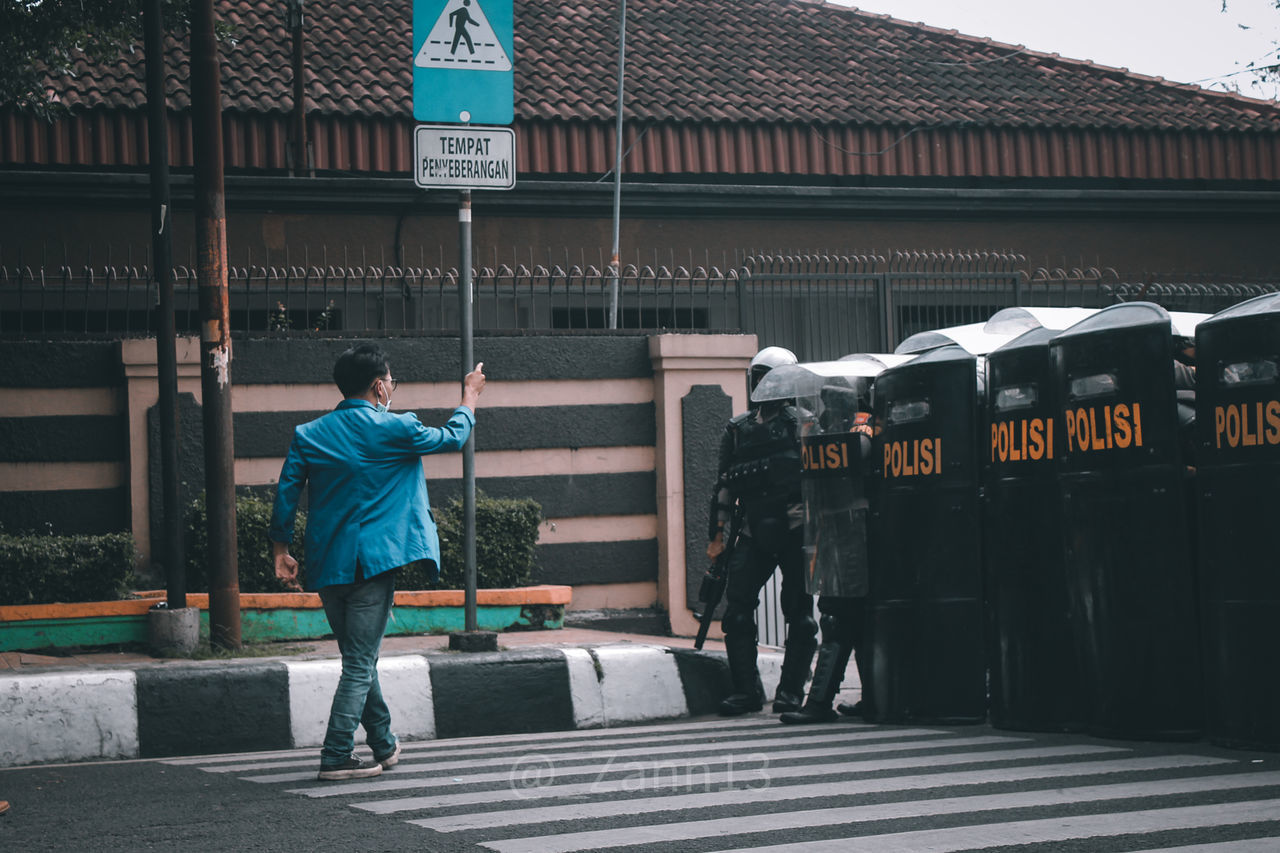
[
  {"x": 544, "y": 295},
  {"x": 819, "y": 305},
  {"x": 824, "y": 306}
]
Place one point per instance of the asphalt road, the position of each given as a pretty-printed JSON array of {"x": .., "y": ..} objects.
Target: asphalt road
[{"x": 701, "y": 785}]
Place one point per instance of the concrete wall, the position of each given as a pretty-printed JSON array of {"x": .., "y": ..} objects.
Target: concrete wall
[
  {"x": 64, "y": 438},
  {"x": 609, "y": 433},
  {"x": 1225, "y": 234}
]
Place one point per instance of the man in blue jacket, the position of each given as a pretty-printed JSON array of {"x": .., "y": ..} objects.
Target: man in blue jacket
[{"x": 367, "y": 515}]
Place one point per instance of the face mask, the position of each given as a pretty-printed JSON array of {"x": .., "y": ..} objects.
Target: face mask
[{"x": 382, "y": 407}]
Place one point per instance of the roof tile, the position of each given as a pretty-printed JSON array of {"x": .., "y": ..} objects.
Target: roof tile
[{"x": 791, "y": 61}]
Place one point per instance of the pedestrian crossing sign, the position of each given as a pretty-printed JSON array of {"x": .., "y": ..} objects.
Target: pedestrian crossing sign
[{"x": 462, "y": 61}]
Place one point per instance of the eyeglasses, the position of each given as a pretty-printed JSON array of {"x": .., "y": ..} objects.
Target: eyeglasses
[{"x": 393, "y": 382}]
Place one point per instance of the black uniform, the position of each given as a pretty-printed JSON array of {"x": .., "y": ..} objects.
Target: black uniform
[{"x": 760, "y": 476}]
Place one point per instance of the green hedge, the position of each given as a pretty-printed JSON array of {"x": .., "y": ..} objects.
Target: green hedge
[
  {"x": 253, "y": 546},
  {"x": 506, "y": 536},
  {"x": 506, "y": 533},
  {"x": 52, "y": 569}
]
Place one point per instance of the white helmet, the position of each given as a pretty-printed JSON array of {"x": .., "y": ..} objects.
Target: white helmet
[{"x": 767, "y": 359}]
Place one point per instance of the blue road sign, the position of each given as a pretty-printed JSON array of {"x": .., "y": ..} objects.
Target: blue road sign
[{"x": 462, "y": 61}]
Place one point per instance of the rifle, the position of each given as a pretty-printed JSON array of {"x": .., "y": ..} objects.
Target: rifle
[{"x": 714, "y": 583}]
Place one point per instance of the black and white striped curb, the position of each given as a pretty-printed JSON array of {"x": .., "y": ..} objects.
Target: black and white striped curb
[{"x": 202, "y": 708}]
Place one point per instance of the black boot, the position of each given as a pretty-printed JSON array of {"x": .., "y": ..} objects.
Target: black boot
[
  {"x": 795, "y": 670},
  {"x": 785, "y": 702},
  {"x": 863, "y": 707},
  {"x": 748, "y": 692},
  {"x": 827, "y": 675}
]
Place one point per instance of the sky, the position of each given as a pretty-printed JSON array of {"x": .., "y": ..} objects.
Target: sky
[{"x": 1187, "y": 41}]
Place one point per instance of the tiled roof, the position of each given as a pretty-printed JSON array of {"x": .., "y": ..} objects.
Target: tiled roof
[{"x": 718, "y": 61}]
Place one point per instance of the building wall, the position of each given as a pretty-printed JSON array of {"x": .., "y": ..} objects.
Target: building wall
[
  {"x": 593, "y": 427},
  {"x": 64, "y": 438},
  {"x": 369, "y": 222}
]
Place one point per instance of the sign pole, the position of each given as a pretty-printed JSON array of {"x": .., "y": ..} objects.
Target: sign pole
[
  {"x": 469, "y": 449},
  {"x": 173, "y": 552},
  {"x": 463, "y": 77}
]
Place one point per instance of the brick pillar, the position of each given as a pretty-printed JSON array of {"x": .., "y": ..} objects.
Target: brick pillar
[
  {"x": 142, "y": 391},
  {"x": 687, "y": 370}
]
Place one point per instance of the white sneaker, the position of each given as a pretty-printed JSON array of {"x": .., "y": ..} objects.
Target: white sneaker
[{"x": 389, "y": 761}]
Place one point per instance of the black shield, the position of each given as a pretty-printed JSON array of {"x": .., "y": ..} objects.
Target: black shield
[
  {"x": 836, "y": 506},
  {"x": 1126, "y": 522},
  {"x": 1238, "y": 478},
  {"x": 926, "y": 585},
  {"x": 1035, "y": 670},
  {"x": 834, "y": 398}
]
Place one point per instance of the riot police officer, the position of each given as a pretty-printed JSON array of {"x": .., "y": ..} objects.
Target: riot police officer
[
  {"x": 836, "y": 547},
  {"x": 1184, "y": 384},
  {"x": 759, "y": 482}
]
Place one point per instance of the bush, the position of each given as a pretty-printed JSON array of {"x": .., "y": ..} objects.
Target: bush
[
  {"x": 506, "y": 533},
  {"x": 51, "y": 569},
  {"x": 253, "y": 546}
]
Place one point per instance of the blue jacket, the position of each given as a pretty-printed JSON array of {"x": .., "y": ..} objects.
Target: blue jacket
[{"x": 368, "y": 496}]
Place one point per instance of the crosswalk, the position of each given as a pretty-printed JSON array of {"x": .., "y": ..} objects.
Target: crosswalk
[{"x": 731, "y": 786}]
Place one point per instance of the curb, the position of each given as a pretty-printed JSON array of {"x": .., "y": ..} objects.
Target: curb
[
  {"x": 206, "y": 708},
  {"x": 275, "y": 616}
]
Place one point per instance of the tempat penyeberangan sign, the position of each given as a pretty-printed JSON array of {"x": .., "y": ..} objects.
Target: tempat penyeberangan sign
[{"x": 447, "y": 156}]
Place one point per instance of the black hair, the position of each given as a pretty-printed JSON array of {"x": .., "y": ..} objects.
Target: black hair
[{"x": 358, "y": 367}]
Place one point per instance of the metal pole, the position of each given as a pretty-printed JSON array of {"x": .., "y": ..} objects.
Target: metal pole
[
  {"x": 215, "y": 329},
  {"x": 615, "y": 264},
  {"x": 469, "y": 449},
  {"x": 172, "y": 555},
  {"x": 884, "y": 290}
]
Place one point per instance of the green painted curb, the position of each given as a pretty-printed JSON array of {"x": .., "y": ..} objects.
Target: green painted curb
[
  {"x": 275, "y": 625},
  {"x": 69, "y": 633}
]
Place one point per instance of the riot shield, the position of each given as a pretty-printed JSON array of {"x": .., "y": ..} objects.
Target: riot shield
[
  {"x": 926, "y": 584},
  {"x": 1125, "y": 515},
  {"x": 1238, "y": 480},
  {"x": 997, "y": 331},
  {"x": 835, "y": 452},
  {"x": 805, "y": 381},
  {"x": 1035, "y": 679},
  {"x": 973, "y": 338},
  {"x": 1020, "y": 319},
  {"x": 834, "y": 399}
]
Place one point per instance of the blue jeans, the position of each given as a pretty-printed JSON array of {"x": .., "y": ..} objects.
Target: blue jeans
[{"x": 358, "y": 615}]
